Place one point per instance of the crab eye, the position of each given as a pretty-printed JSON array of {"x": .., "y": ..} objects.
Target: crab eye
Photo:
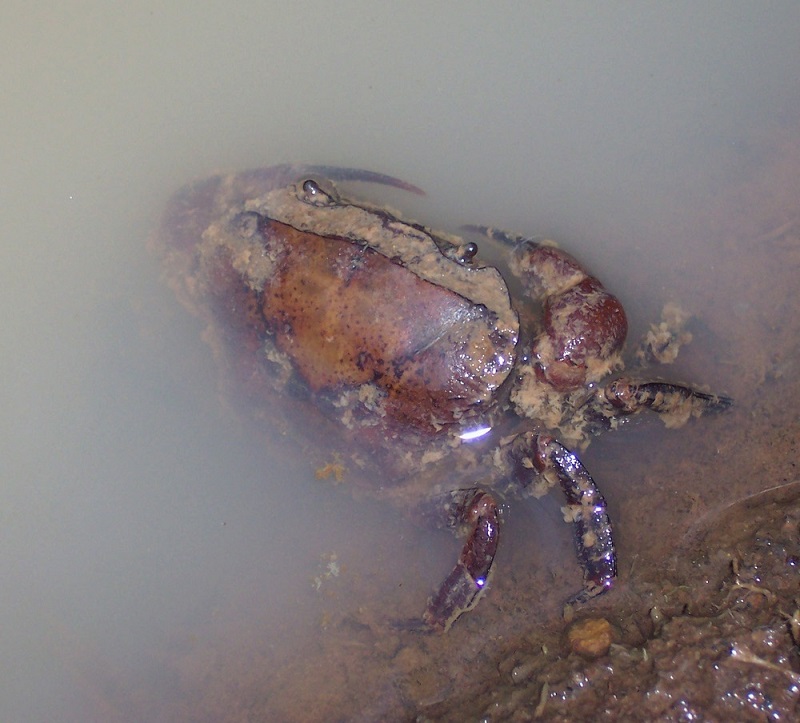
[
  {"x": 462, "y": 254},
  {"x": 311, "y": 187},
  {"x": 468, "y": 252},
  {"x": 315, "y": 195}
]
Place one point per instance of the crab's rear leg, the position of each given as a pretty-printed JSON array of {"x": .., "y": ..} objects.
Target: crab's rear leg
[
  {"x": 533, "y": 455},
  {"x": 478, "y": 512}
]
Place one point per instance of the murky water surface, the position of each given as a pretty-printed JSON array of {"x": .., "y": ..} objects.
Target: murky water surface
[{"x": 163, "y": 559}]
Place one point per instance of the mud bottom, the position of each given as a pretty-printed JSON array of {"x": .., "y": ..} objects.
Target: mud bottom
[{"x": 718, "y": 644}]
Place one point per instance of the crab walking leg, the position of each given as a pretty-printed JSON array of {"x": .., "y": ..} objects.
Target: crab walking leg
[
  {"x": 462, "y": 588},
  {"x": 628, "y": 397},
  {"x": 539, "y": 454}
]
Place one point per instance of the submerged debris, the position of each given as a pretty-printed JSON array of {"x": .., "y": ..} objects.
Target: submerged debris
[
  {"x": 335, "y": 468},
  {"x": 664, "y": 340},
  {"x": 329, "y": 569}
]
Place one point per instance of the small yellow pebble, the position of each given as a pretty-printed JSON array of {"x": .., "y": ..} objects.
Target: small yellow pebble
[{"x": 590, "y": 637}]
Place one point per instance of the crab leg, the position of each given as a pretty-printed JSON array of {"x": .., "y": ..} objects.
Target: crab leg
[
  {"x": 628, "y": 397},
  {"x": 539, "y": 454},
  {"x": 462, "y": 588}
]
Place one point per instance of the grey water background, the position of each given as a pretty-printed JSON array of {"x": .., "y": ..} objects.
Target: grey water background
[{"x": 132, "y": 503}]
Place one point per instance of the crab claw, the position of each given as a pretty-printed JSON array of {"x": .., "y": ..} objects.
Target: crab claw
[{"x": 583, "y": 325}]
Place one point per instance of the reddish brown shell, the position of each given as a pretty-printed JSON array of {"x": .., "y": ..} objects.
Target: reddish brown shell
[
  {"x": 347, "y": 316},
  {"x": 370, "y": 340}
]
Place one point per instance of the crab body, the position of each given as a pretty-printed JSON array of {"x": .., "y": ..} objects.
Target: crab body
[{"x": 414, "y": 350}]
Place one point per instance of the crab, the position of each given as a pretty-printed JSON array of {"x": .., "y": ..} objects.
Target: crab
[{"x": 449, "y": 391}]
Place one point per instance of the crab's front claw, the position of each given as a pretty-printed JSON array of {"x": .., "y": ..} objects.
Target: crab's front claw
[
  {"x": 478, "y": 512},
  {"x": 583, "y": 325},
  {"x": 540, "y": 454}
]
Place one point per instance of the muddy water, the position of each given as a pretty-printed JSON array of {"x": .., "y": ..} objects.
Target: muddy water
[
  {"x": 162, "y": 560},
  {"x": 676, "y": 495}
]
